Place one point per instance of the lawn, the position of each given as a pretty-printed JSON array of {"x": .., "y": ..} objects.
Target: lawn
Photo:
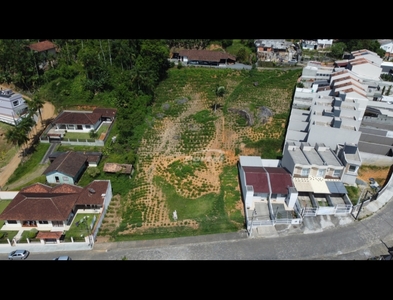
[
  {"x": 86, "y": 135},
  {"x": 5, "y": 234},
  {"x": 78, "y": 232}
]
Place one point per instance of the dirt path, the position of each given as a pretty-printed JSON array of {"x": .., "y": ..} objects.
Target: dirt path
[{"x": 47, "y": 112}]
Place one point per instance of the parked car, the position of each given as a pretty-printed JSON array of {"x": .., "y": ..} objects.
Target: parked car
[
  {"x": 18, "y": 254},
  {"x": 62, "y": 258}
]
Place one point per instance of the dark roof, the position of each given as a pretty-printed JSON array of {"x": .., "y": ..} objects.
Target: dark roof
[
  {"x": 257, "y": 177},
  {"x": 206, "y": 55},
  {"x": 93, "y": 193},
  {"x": 105, "y": 112},
  {"x": 91, "y": 156},
  {"x": 280, "y": 179},
  {"x": 86, "y": 118},
  {"x": 336, "y": 187},
  {"x": 68, "y": 163},
  {"x": 42, "y": 46},
  {"x": 42, "y": 202}
]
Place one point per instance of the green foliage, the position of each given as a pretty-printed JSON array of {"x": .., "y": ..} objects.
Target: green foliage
[
  {"x": 93, "y": 172},
  {"x": 93, "y": 134},
  {"x": 24, "y": 168},
  {"x": 33, "y": 233}
]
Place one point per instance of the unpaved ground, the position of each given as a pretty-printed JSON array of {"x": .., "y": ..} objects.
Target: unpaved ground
[
  {"x": 156, "y": 154},
  {"x": 47, "y": 112},
  {"x": 379, "y": 174}
]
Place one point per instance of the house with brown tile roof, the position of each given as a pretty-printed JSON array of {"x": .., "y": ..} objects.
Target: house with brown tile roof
[
  {"x": 206, "y": 57},
  {"x": 47, "y": 51},
  {"x": 93, "y": 158},
  {"x": 74, "y": 121},
  {"x": 53, "y": 208},
  {"x": 43, "y": 46},
  {"x": 67, "y": 168}
]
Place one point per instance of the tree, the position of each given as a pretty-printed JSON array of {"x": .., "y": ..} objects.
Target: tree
[
  {"x": 337, "y": 50},
  {"x": 36, "y": 104},
  {"x": 220, "y": 91}
]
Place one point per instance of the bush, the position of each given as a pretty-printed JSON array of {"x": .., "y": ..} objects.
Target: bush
[
  {"x": 33, "y": 233},
  {"x": 93, "y": 172}
]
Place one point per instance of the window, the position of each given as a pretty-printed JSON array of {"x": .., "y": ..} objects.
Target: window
[
  {"x": 12, "y": 222},
  {"x": 15, "y": 103},
  {"x": 352, "y": 168},
  {"x": 43, "y": 222},
  {"x": 57, "y": 223},
  {"x": 305, "y": 172},
  {"x": 65, "y": 178},
  {"x": 70, "y": 127},
  {"x": 336, "y": 173},
  {"x": 321, "y": 173}
]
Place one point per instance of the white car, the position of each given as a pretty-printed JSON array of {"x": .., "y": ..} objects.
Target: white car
[
  {"x": 18, "y": 254},
  {"x": 62, "y": 258}
]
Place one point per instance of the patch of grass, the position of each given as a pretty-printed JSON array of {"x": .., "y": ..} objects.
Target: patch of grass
[
  {"x": 32, "y": 161},
  {"x": 3, "y": 205},
  {"x": 81, "y": 229},
  {"x": 7, "y": 235}
]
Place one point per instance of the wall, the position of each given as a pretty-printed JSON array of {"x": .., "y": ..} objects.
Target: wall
[
  {"x": 51, "y": 178},
  {"x": 8, "y": 195},
  {"x": 376, "y": 160}
]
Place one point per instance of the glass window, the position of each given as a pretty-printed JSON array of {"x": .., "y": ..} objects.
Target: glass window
[
  {"x": 15, "y": 103},
  {"x": 305, "y": 172}
]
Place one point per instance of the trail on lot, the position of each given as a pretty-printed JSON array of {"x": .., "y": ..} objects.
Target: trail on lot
[{"x": 47, "y": 112}]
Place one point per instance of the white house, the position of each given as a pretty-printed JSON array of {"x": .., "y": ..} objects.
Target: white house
[
  {"x": 12, "y": 107},
  {"x": 53, "y": 208}
]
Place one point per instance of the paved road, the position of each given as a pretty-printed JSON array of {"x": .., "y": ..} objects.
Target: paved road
[{"x": 322, "y": 238}]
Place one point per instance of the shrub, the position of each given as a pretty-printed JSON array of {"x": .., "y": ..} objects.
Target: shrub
[
  {"x": 93, "y": 172},
  {"x": 33, "y": 233}
]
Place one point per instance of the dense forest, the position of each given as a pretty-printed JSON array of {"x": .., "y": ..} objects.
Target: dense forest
[{"x": 108, "y": 73}]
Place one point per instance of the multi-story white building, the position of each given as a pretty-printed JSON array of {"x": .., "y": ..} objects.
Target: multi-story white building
[{"x": 12, "y": 107}]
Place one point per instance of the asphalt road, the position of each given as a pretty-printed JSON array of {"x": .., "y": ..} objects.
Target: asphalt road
[{"x": 357, "y": 240}]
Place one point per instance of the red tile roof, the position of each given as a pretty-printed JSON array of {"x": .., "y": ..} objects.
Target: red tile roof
[
  {"x": 42, "y": 46},
  {"x": 41, "y": 202},
  {"x": 106, "y": 112},
  {"x": 93, "y": 193},
  {"x": 206, "y": 55},
  {"x": 49, "y": 235},
  {"x": 75, "y": 118}
]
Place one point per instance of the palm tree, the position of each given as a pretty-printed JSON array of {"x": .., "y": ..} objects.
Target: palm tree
[{"x": 38, "y": 104}]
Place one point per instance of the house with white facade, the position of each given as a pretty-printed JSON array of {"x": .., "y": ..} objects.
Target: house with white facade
[
  {"x": 52, "y": 209},
  {"x": 388, "y": 48},
  {"x": 324, "y": 43},
  {"x": 12, "y": 107},
  {"x": 331, "y": 120},
  {"x": 316, "y": 174},
  {"x": 268, "y": 192}
]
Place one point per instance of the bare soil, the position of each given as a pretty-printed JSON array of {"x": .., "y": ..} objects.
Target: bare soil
[
  {"x": 378, "y": 173},
  {"x": 155, "y": 155},
  {"x": 47, "y": 112}
]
